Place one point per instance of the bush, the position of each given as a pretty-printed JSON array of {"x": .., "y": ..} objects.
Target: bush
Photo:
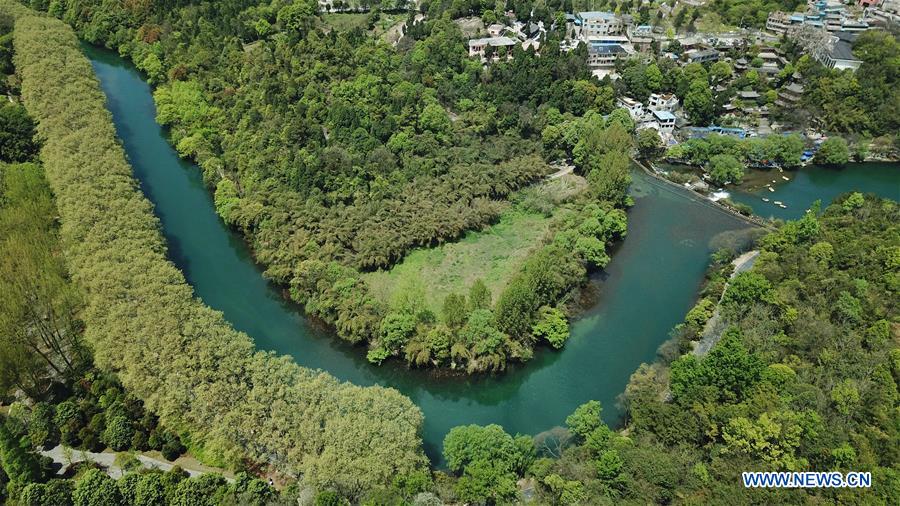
[
  {"x": 95, "y": 488},
  {"x": 118, "y": 433}
]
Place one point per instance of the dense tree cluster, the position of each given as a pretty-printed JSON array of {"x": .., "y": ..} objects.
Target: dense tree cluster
[
  {"x": 804, "y": 377},
  {"x": 335, "y": 153},
  {"x": 181, "y": 358},
  {"x": 725, "y": 157},
  {"x": 865, "y": 102},
  {"x": 30, "y": 480}
]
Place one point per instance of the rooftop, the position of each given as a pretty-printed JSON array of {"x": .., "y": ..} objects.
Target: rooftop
[
  {"x": 606, "y": 49},
  {"x": 664, "y": 115},
  {"x": 596, "y": 15},
  {"x": 492, "y": 41}
]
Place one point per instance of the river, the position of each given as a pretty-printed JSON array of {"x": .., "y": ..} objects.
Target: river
[
  {"x": 814, "y": 182},
  {"x": 647, "y": 288}
]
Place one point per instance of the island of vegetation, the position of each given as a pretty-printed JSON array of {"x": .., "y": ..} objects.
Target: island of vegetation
[{"x": 344, "y": 161}]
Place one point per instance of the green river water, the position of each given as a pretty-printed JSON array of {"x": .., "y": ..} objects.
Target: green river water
[
  {"x": 646, "y": 289},
  {"x": 811, "y": 183}
]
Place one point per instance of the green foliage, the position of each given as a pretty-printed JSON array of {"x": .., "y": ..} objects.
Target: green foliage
[
  {"x": 746, "y": 288},
  {"x": 551, "y": 326},
  {"x": 798, "y": 381},
  {"x": 861, "y": 102},
  {"x": 729, "y": 369},
  {"x": 17, "y": 142},
  {"x": 113, "y": 238},
  {"x": 39, "y": 329},
  {"x": 649, "y": 144},
  {"x": 725, "y": 169},
  {"x": 585, "y": 419},
  {"x": 18, "y": 464},
  {"x": 779, "y": 150},
  {"x": 698, "y": 102},
  {"x": 489, "y": 460},
  {"x": 52, "y": 493},
  {"x": 118, "y": 433},
  {"x": 833, "y": 151},
  {"x": 95, "y": 488}
]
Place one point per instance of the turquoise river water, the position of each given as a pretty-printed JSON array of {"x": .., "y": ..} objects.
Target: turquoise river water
[{"x": 646, "y": 289}]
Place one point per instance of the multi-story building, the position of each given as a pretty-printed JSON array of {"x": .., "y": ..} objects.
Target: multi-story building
[
  {"x": 594, "y": 23},
  {"x": 662, "y": 102},
  {"x": 665, "y": 120},
  {"x": 635, "y": 108},
  {"x": 778, "y": 22},
  {"x": 604, "y": 55},
  {"x": 702, "y": 55},
  {"x": 838, "y": 55}
]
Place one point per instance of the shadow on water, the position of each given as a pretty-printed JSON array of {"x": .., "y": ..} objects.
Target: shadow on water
[{"x": 648, "y": 286}]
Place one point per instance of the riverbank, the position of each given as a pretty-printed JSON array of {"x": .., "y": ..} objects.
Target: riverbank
[
  {"x": 655, "y": 271},
  {"x": 750, "y": 220},
  {"x": 774, "y": 194}
]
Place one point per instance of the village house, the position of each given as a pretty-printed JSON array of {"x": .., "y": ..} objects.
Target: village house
[
  {"x": 665, "y": 121},
  {"x": 635, "y": 108},
  {"x": 477, "y": 46},
  {"x": 790, "y": 95},
  {"x": 496, "y": 30},
  {"x": 662, "y": 102},
  {"x": 595, "y": 23}
]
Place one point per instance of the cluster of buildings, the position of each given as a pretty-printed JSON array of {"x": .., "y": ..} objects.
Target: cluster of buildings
[
  {"x": 502, "y": 36},
  {"x": 658, "y": 113},
  {"x": 828, "y": 28},
  {"x": 832, "y": 16}
]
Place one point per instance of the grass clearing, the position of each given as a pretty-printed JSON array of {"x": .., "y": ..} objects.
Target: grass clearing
[
  {"x": 493, "y": 254},
  {"x": 346, "y": 21}
]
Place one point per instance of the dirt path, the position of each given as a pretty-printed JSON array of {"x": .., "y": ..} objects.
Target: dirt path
[
  {"x": 107, "y": 460},
  {"x": 715, "y": 327},
  {"x": 566, "y": 169}
]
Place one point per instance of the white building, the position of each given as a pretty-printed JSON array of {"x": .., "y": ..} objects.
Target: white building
[
  {"x": 635, "y": 108},
  {"x": 595, "y": 23},
  {"x": 662, "y": 102},
  {"x": 665, "y": 120}
]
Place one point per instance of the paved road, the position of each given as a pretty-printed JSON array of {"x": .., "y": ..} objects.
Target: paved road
[{"x": 107, "y": 460}]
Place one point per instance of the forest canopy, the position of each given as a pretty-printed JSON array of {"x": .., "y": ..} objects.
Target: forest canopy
[{"x": 188, "y": 365}]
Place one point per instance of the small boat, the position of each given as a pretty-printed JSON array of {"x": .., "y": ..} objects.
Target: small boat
[
  {"x": 780, "y": 169},
  {"x": 765, "y": 199},
  {"x": 774, "y": 180},
  {"x": 771, "y": 189},
  {"x": 782, "y": 206},
  {"x": 778, "y": 203},
  {"x": 785, "y": 178}
]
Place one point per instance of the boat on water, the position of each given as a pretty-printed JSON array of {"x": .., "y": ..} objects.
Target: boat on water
[
  {"x": 785, "y": 178},
  {"x": 778, "y": 203},
  {"x": 765, "y": 199},
  {"x": 770, "y": 188},
  {"x": 782, "y": 206}
]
